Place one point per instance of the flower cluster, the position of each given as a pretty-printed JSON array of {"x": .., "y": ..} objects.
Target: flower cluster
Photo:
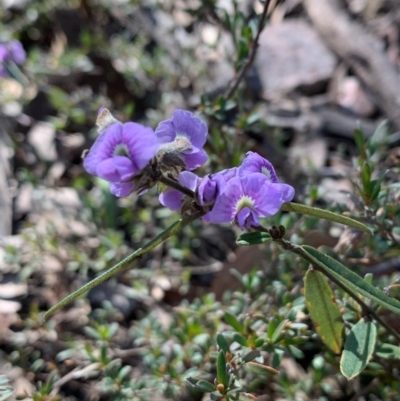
[
  {"x": 242, "y": 194},
  {"x": 134, "y": 157},
  {"x": 11, "y": 52}
]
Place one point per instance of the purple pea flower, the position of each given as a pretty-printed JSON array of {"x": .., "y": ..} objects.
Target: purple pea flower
[
  {"x": 17, "y": 52},
  {"x": 211, "y": 186},
  {"x": 253, "y": 191},
  {"x": 3, "y": 57},
  {"x": 172, "y": 198},
  {"x": 120, "y": 152},
  {"x": 11, "y": 52},
  {"x": 245, "y": 199},
  {"x": 254, "y": 163},
  {"x": 184, "y": 136}
]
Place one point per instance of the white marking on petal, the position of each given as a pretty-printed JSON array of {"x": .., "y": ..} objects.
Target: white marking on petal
[
  {"x": 121, "y": 150},
  {"x": 244, "y": 201},
  {"x": 266, "y": 172}
]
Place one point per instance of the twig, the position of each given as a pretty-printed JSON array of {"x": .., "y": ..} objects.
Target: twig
[
  {"x": 176, "y": 185},
  {"x": 75, "y": 374},
  {"x": 231, "y": 89}
]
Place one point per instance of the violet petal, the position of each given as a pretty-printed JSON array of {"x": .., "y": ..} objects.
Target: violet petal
[
  {"x": 103, "y": 148},
  {"x": 171, "y": 198},
  {"x": 121, "y": 189},
  {"x": 187, "y": 123}
]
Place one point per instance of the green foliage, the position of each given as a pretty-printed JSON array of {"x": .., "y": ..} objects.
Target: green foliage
[
  {"x": 323, "y": 310},
  {"x": 358, "y": 348},
  {"x": 253, "y": 238},
  {"x": 351, "y": 280}
]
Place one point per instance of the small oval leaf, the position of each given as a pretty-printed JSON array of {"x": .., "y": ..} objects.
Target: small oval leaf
[
  {"x": 239, "y": 338},
  {"x": 387, "y": 351},
  {"x": 233, "y": 322},
  {"x": 253, "y": 354},
  {"x": 253, "y": 238},
  {"x": 222, "y": 342},
  {"x": 324, "y": 312},
  {"x": 222, "y": 374},
  {"x": 358, "y": 348},
  {"x": 205, "y": 386}
]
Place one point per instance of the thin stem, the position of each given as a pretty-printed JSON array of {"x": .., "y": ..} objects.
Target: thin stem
[
  {"x": 176, "y": 185},
  {"x": 367, "y": 309},
  {"x": 246, "y": 65},
  {"x": 125, "y": 263}
]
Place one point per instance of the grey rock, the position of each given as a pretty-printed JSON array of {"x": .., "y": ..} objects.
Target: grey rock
[
  {"x": 42, "y": 136},
  {"x": 291, "y": 55}
]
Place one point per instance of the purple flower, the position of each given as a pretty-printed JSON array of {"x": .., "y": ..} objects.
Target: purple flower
[
  {"x": 184, "y": 135},
  {"x": 120, "y": 152},
  {"x": 245, "y": 194},
  {"x": 17, "y": 52},
  {"x": 245, "y": 199},
  {"x": 211, "y": 186},
  {"x": 11, "y": 52},
  {"x": 254, "y": 163},
  {"x": 172, "y": 198}
]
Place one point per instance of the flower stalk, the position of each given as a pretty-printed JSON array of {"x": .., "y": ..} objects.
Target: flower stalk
[{"x": 127, "y": 262}]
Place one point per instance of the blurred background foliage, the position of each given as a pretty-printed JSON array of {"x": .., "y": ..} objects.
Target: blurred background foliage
[{"x": 199, "y": 308}]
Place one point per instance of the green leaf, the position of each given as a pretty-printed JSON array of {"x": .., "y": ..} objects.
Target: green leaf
[
  {"x": 277, "y": 357},
  {"x": 222, "y": 343},
  {"x": 375, "y": 186},
  {"x": 368, "y": 278},
  {"x": 358, "y": 348},
  {"x": 296, "y": 352},
  {"x": 253, "y": 238},
  {"x": 393, "y": 290},
  {"x": 387, "y": 351},
  {"x": 240, "y": 339},
  {"x": 233, "y": 322},
  {"x": 222, "y": 374},
  {"x": 359, "y": 139},
  {"x": 205, "y": 386},
  {"x": 278, "y": 331},
  {"x": 253, "y": 354},
  {"x": 324, "y": 214},
  {"x": 324, "y": 311},
  {"x": 379, "y": 137},
  {"x": 366, "y": 176},
  {"x": 350, "y": 279}
]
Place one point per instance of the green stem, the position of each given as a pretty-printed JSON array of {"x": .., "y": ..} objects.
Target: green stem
[
  {"x": 324, "y": 214},
  {"x": 172, "y": 230}
]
